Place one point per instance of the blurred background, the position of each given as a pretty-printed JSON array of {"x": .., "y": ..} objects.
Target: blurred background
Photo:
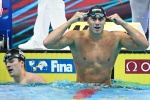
[{"x": 25, "y": 13}]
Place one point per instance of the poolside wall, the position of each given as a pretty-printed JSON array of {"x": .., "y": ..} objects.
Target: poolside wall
[
  {"x": 59, "y": 66},
  {"x": 133, "y": 67},
  {"x": 44, "y": 60}
]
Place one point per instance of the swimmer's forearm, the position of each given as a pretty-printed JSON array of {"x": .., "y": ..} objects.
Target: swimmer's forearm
[{"x": 137, "y": 36}]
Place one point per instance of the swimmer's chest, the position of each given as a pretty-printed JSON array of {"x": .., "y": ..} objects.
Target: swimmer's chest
[{"x": 100, "y": 51}]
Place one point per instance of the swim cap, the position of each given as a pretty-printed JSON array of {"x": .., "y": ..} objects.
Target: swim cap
[
  {"x": 96, "y": 10},
  {"x": 14, "y": 53}
]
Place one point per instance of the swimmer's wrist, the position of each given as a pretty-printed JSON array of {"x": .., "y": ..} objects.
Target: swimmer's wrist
[
  {"x": 69, "y": 22},
  {"x": 124, "y": 24}
]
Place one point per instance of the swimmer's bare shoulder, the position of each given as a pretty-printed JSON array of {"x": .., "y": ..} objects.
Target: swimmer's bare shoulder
[
  {"x": 117, "y": 34},
  {"x": 74, "y": 33},
  {"x": 34, "y": 78}
]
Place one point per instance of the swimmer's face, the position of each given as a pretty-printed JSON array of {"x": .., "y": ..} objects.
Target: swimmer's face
[
  {"x": 96, "y": 22},
  {"x": 14, "y": 67}
]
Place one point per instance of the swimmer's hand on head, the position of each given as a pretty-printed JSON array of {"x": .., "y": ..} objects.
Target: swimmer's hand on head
[
  {"x": 116, "y": 19},
  {"x": 78, "y": 16}
]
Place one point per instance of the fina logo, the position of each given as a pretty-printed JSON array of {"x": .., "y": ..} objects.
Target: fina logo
[
  {"x": 60, "y": 67},
  {"x": 50, "y": 65},
  {"x": 42, "y": 65}
]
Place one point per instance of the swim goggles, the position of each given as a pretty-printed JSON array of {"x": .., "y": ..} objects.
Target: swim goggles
[
  {"x": 93, "y": 15},
  {"x": 14, "y": 53}
]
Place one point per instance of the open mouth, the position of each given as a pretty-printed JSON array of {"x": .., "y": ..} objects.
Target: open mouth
[
  {"x": 10, "y": 70},
  {"x": 97, "y": 28}
]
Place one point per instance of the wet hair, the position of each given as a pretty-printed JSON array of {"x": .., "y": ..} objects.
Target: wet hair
[
  {"x": 96, "y": 9},
  {"x": 14, "y": 53}
]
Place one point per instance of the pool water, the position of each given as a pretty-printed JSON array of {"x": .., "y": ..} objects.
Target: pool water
[{"x": 65, "y": 90}]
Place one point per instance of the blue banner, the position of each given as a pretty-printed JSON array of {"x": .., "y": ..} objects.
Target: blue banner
[{"x": 50, "y": 65}]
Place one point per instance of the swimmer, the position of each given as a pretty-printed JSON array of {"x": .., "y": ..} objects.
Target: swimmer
[
  {"x": 95, "y": 50},
  {"x": 15, "y": 64}
]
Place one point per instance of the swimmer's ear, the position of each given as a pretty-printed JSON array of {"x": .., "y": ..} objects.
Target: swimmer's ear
[{"x": 22, "y": 62}]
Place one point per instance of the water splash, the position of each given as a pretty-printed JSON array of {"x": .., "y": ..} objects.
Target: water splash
[
  {"x": 130, "y": 85},
  {"x": 67, "y": 85}
]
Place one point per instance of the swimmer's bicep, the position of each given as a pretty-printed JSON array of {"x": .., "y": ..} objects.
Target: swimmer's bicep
[
  {"x": 63, "y": 42},
  {"x": 66, "y": 40},
  {"x": 127, "y": 42},
  {"x": 60, "y": 44}
]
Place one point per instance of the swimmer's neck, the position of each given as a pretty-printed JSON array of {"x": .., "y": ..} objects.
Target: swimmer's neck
[
  {"x": 95, "y": 36},
  {"x": 20, "y": 78}
]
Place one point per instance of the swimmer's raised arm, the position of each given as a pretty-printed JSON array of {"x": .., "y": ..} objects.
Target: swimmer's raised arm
[
  {"x": 134, "y": 40},
  {"x": 54, "y": 39}
]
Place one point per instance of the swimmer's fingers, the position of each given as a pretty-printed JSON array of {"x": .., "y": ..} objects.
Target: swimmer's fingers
[
  {"x": 78, "y": 16},
  {"x": 81, "y": 16},
  {"x": 116, "y": 19},
  {"x": 111, "y": 18}
]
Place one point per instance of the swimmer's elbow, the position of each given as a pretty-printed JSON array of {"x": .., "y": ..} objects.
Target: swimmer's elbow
[
  {"x": 144, "y": 46},
  {"x": 137, "y": 48},
  {"x": 49, "y": 46},
  {"x": 147, "y": 45}
]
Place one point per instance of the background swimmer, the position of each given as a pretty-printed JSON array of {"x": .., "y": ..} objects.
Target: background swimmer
[{"x": 15, "y": 64}]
